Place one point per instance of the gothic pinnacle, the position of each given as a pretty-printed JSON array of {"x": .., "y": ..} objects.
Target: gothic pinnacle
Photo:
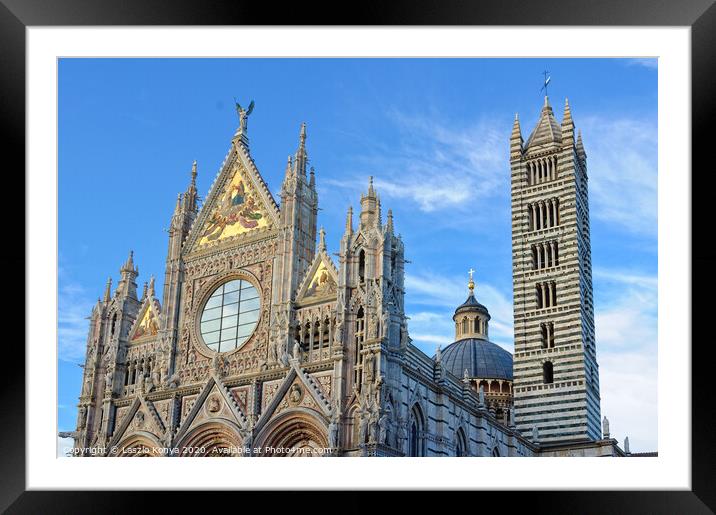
[
  {"x": 371, "y": 191},
  {"x": 301, "y": 155},
  {"x": 129, "y": 264},
  {"x": 567, "y": 119},
  {"x": 193, "y": 173},
  {"x": 390, "y": 221},
  {"x": 349, "y": 220},
  {"x": 303, "y": 136},
  {"x": 322, "y": 239},
  {"x": 144, "y": 291},
  {"x": 151, "y": 286},
  {"x": 108, "y": 290},
  {"x": 516, "y": 129}
]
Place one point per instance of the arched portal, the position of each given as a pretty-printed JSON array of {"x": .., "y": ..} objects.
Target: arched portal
[
  {"x": 138, "y": 445},
  {"x": 295, "y": 433},
  {"x": 212, "y": 439}
]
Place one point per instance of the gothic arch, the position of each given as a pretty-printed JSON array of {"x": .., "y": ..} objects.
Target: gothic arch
[
  {"x": 461, "y": 448},
  {"x": 138, "y": 444},
  {"x": 217, "y": 438},
  {"x": 297, "y": 432},
  {"x": 416, "y": 431}
]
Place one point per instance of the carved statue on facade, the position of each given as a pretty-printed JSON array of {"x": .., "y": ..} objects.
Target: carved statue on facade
[
  {"x": 385, "y": 323},
  {"x": 173, "y": 381},
  {"x": 373, "y": 421},
  {"x": 82, "y": 418},
  {"x": 363, "y": 425},
  {"x": 404, "y": 334},
  {"x": 605, "y": 427},
  {"x": 272, "y": 357},
  {"x": 369, "y": 367},
  {"x": 338, "y": 338},
  {"x": 383, "y": 426},
  {"x": 333, "y": 428},
  {"x": 373, "y": 327},
  {"x": 217, "y": 365},
  {"x": 108, "y": 379},
  {"x": 482, "y": 395}
]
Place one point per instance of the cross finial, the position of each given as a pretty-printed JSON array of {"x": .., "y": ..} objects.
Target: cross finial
[
  {"x": 471, "y": 283},
  {"x": 547, "y": 78}
]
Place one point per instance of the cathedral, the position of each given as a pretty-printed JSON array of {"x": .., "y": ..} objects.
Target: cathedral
[{"x": 263, "y": 345}]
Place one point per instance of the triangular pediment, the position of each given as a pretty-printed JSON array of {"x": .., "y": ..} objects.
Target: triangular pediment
[
  {"x": 141, "y": 416},
  {"x": 320, "y": 281},
  {"x": 213, "y": 402},
  {"x": 146, "y": 326},
  {"x": 298, "y": 389},
  {"x": 239, "y": 205}
]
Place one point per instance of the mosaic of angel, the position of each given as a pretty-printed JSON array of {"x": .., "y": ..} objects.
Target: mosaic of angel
[
  {"x": 148, "y": 327},
  {"x": 237, "y": 205}
]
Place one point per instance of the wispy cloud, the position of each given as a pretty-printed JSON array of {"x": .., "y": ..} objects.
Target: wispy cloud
[
  {"x": 74, "y": 305},
  {"x": 439, "y": 295},
  {"x": 64, "y": 446},
  {"x": 457, "y": 165},
  {"x": 651, "y": 63},
  {"x": 622, "y": 163},
  {"x": 626, "y": 335}
]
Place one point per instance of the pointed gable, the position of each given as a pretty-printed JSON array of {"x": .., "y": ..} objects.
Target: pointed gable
[
  {"x": 547, "y": 131},
  {"x": 238, "y": 204},
  {"x": 146, "y": 325},
  {"x": 321, "y": 280}
]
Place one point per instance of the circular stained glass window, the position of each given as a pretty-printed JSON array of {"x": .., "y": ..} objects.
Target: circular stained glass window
[{"x": 230, "y": 315}]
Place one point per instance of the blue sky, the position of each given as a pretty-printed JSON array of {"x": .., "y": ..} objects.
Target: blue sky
[{"x": 434, "y": 133}]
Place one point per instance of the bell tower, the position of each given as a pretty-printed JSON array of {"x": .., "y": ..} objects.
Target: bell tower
[{"x": 556, "y": 376}]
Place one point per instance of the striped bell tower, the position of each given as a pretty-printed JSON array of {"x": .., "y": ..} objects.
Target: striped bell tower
[{"x": 556, "y": 376}]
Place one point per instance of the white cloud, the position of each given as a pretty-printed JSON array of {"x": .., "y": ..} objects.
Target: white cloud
[
  {"x": 64, "y": 445},
  {"x": 626, "y": 335},
  {"x": 651, "y": 63},
  {"x": 457, "y": 165},
  {"x": 74, "y": 305},
  {"x": 622, "y": 169},
  {"x": 441, "y": 295}
]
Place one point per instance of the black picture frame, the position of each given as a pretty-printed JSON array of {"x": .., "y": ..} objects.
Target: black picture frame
[{"x": 700, "y": 15}]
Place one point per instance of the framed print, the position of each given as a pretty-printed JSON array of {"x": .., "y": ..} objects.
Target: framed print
[{"x": 477, "y": 250}]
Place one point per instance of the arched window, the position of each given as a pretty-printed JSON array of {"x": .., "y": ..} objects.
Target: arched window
[
  {"x": 477, "y": 325},
  {"x": 547, "y": 372},
  {"x": 114, "y": 323},
  {"x": 460, "y": 444},
  {"x": 417, "y": 445},
  {"x": 359, "y": 338},
  {"x": 464, "y": 325},
  {"x": 361, "y": 266}
]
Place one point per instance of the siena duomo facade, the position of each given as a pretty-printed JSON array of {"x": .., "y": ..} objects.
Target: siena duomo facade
[{"x": 263, "y": 345}]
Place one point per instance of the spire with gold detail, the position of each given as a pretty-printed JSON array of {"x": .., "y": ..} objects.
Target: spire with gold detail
[{"x": 471, "y": 317}]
